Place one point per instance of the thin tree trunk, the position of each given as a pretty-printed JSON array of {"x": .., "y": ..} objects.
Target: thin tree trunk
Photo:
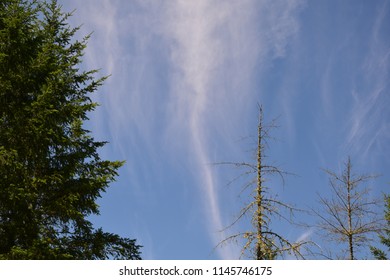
[
  {"x": 259, "y": 198},
  {"x": 350, "y": 230}
]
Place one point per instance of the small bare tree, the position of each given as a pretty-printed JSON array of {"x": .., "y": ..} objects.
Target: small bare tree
[
  {"x": 349, "y": 216},
  {"x": 261, "y": 241}
]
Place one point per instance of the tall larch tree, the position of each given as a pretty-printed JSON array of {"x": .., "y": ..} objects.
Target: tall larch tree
[
  {"x": 50, "y": 171},
  {"x": 261, "y": 242}
]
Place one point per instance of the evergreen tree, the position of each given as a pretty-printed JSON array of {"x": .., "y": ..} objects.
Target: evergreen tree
[
  {"x": 385, "y": 238},
  {"x": 51, "y": 172}
]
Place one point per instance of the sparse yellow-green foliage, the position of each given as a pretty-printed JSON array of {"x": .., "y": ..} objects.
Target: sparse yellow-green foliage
[
  {"x": 261, "y": 242},
  {"x": 349, "y": 216}
]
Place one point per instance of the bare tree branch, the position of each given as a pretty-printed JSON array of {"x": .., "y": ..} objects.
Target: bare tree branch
[
  {"x": 349, "y": 216},
  {"x": 261, "y": 242}
]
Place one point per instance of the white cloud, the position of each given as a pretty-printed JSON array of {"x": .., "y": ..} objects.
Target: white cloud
[
  {"x": 207, "y": 37},
  {"x": 305, "y": 236},
  {"x": 369, "y": 114},
  {"x": 208, "y": 51}
]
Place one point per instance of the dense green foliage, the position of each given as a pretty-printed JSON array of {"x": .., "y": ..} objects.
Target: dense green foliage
[
  {"x": 385, "y": 237},
  {"x": 51, "y": 173}
]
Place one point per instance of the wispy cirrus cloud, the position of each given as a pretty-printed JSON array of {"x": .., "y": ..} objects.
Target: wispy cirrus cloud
[
  {"x": 369, "y": 128},
  {"x": 217, "y": 43},
  {"x": 184, "y": 75}
]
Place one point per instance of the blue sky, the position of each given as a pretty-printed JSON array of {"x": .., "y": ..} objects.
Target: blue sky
[{"x": 186, "y": 80}]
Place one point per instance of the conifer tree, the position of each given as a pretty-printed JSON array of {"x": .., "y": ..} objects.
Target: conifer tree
[
  {"x": 349, "y": 216},
  {"x": 262, "y": 242},
  {"x": 385, "y": 236},
  {"x": 50, "y": 171}
]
